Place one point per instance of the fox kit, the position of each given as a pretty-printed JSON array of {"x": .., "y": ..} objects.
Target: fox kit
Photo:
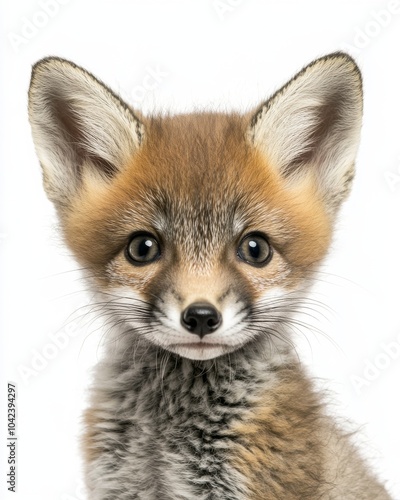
[{"x": 200, "y": 235}]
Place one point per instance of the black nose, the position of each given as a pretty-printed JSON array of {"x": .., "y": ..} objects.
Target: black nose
[{"x": 201, "y": 318}]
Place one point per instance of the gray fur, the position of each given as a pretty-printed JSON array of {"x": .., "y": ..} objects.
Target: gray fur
[
  {"x": 176, "y": 413},
  {"x": 164, "y": 429}
]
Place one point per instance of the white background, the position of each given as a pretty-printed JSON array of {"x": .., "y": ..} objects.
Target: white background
[{"x": 207, "y": 54}]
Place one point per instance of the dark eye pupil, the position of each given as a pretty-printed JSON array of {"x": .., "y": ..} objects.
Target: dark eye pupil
[
  {"x": 254, "y": 249},
  {"x": 144, "y": 247}
]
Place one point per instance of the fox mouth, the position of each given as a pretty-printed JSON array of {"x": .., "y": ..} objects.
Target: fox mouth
[
  {"x": 198, "y": 345},
  {"x": 200, "y": 351}
]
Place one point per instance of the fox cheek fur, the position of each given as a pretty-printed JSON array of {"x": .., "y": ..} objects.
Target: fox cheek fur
[{"x": 201, "y": 234}]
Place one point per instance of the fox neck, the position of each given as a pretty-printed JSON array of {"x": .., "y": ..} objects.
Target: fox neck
[
  {"x": 254, "y": 365},
  {"x": 181, "y": 409}
]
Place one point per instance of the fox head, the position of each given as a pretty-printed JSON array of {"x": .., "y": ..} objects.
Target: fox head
[{"x": 201, "y": 232}]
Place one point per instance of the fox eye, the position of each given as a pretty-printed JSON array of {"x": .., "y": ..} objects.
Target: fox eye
[
  {"x": 143, "y": 248},
  {"x": 255, "y": 250}
]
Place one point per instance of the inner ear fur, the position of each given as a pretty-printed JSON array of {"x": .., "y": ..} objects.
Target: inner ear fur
[
  {"x": 78, "y": 124},
  {"x": 311, "y": 126}
]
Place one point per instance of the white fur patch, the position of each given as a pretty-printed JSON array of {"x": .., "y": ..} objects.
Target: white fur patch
[{"x": 168, "y": 333}]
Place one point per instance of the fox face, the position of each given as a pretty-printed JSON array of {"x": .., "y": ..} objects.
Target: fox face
[{"x": 200, "y": 233}]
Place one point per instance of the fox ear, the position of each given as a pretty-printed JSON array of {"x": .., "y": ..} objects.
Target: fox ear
[
  {"x": 311, "y": 126},
  {"x": 79, "y": 127}
]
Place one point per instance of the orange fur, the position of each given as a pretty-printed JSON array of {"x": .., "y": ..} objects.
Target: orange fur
[
  {"x": 282, "y": 430},
  {"x": 193, "y": 157}
]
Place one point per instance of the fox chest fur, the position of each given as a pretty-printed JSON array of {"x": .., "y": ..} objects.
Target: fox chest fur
[
  {"x": 200, "y": 236},
  {"x": 234, "y": 431}
]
